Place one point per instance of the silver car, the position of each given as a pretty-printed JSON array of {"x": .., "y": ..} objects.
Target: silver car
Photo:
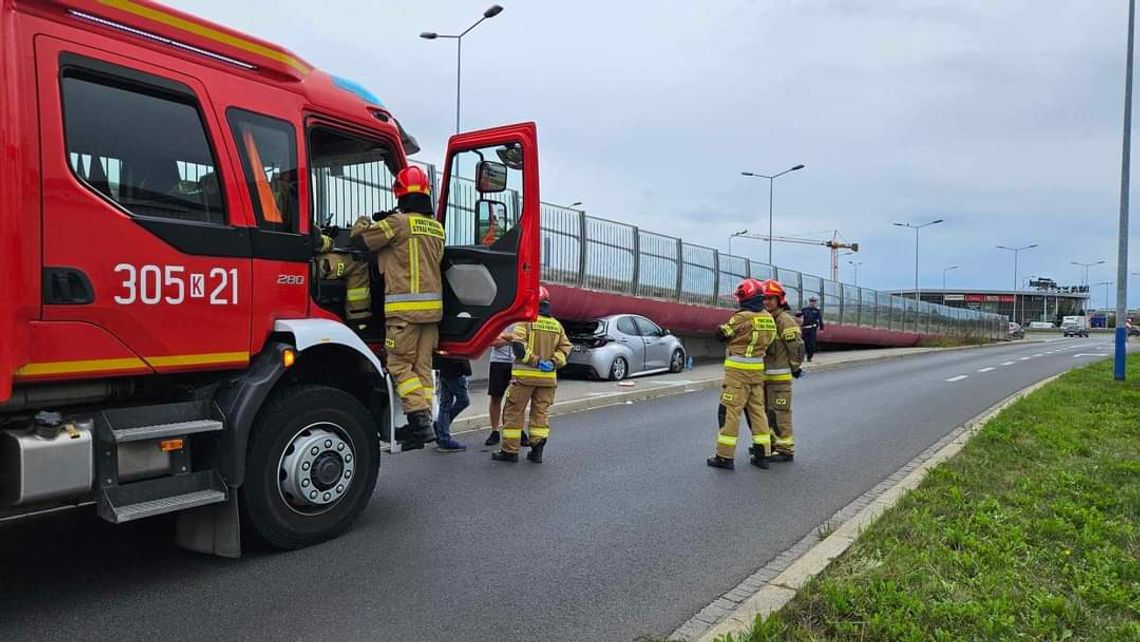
[{"x": 622, "y": 345}]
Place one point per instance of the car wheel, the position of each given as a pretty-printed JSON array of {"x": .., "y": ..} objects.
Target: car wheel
[
  {"x": 619, "y": 369},
  {"x": 677, "y": 361},
  {"x": 311, "y": 466}
]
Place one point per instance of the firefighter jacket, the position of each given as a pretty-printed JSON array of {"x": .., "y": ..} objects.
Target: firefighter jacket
[
  {"x": 409, "y": 248},
  {"x": 545, "y": 340},
  {"x": 786, "y": 353},
  {"x": 748, "y": 334}
]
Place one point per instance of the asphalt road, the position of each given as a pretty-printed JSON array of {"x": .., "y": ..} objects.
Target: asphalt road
[{"x": 623, "y": 531}]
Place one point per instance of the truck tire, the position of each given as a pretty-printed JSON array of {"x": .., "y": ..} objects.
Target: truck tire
[{"x": 311, "y": 466}]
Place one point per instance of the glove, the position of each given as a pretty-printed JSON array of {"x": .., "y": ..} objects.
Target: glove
[
  {"x": 380, "y": 216},
  {"x": 326, "y": 243},
  {"x": 546, "y": 366},
  {"x": 797, "y": 373},
  {"x": 519, "y": 349}
]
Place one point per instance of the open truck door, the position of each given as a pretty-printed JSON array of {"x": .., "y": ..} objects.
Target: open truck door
[{"x": 491, "y": 260}]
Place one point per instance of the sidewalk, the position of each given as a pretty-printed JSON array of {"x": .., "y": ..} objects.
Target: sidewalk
[{"x": 576, "y": 395}]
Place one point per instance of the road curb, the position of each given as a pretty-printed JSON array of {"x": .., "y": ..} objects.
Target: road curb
[
  {"x": 477, "y": 423},
  {"x": 774, "y": 585}
]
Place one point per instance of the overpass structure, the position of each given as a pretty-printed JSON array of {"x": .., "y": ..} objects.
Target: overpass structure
[{"x": 595, "y": 267}]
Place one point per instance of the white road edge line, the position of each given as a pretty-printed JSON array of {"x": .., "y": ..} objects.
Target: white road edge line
[{"x": 958, "y": 378}]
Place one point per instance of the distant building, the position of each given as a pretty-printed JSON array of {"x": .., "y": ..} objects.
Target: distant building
[{"x": 1048, "y": 305}]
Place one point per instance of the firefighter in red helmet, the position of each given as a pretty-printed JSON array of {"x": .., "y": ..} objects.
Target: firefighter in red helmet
[
  {"x": 783, "y": 358},
  {"x": 540, "y": 347},
  {"x": 747, "y": 334},
  {"x": 409, "y": 245}
]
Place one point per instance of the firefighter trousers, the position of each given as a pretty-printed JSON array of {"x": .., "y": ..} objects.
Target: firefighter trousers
[
  {"x": 518, "y": 395},
  {"x": 741, "y": 393},
  {"x": 778, "y": 398},
  {"x": 358, "y": 294},
  {"x": 409, "y": 347}
]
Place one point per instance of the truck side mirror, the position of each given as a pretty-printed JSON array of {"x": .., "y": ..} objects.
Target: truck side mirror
[{"x": 490, "y": 177}]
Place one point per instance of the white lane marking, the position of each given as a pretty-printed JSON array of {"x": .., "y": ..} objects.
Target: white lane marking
[
  {"x": 1025, "y": 358},
  {"x": 958, "y": 378},
  {"x": 987, "y": 369},
  {"x": 1008, "y": 363},
  {"x": 1039, "y": 355},
  {"x": 1090, "y": 354}
]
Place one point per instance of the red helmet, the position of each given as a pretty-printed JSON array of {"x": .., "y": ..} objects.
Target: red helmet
[
  {"x": 747, "y": 289},
  {"x": 543, "y": 294},
  {"x": 772, "y": 288},
  {"x": 411, "y": 180}
]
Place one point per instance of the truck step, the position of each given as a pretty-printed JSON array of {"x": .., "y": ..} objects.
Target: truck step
[
  {"x": 160, "y": 431},
  {"x": 121, "y": 425},
  {"x": 118, "y": 504},
  {"x": 166, "y": 505}
]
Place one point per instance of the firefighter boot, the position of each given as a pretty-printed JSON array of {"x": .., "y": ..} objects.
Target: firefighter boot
[
  {"x": 524, "y": 441},
  {"x": 758, "y": 458},
  {"x": 716, "y": 461},
  {"x": 535, "y": 454},
  {"x": 500, "y": 455},
  {"x": 419, "y": 424},
  {"x": 779, "y": 456}
]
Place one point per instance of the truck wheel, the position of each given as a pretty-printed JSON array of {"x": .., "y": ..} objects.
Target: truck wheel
[{"x": 311, "y": 466}]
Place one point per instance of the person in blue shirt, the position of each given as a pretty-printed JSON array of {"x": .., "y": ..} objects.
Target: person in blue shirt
[{"x": 811, "y": 320}]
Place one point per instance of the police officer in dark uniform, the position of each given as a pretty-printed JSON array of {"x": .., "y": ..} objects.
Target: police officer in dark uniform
[{"x": 812, "y": 322}]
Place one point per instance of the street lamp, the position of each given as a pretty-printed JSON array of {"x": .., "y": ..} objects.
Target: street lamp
[
  {"x": 491, "y": 12},
  {"x": 1016, "y": 251},
  {"x": 944, "y": 271},
  {"x": 771, "y": 182},
  {"x": 1086, "y": 266},
  {"x": 1106, "y": 285},
  {"x": 916, "y": 228},
  {"x": 732, "y": 236},
  {"x": 856, "y": 264},
  {"x": 573, "y": 205}
]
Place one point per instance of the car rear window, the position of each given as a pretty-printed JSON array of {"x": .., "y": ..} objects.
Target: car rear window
[{"x": 584, "y": 328}]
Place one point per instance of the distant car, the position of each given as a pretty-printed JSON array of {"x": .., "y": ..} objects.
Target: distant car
[
  {"x": 620, "y": 346},
  {"x": 1016, "y": 331},
  {"x": 1075, "y": 326}
]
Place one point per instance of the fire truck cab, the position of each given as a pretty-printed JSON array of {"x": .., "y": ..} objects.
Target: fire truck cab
[{"x": 167, "y": 343}]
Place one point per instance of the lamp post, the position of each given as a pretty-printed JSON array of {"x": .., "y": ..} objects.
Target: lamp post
[
  {"x": 491, "y": 12},
  {"x": 1106, "y": 285},
  {"x": 732, "y": 236},
  {"x": 1121, "y": 352},
  {"x": 771, "y": 182},
  {"x": 1086, "y": 266},
  {"x": 916, "y": 228},
  {"x": 856, "y": 264},
  {"x": 944, "y": 271},
  {"x": 1016, "y": 251}
]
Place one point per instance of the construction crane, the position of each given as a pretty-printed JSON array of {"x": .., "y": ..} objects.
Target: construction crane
[{"x": 835, "y": 243}]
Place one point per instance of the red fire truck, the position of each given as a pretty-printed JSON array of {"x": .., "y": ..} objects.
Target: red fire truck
[{"x": 166, "y": 341}]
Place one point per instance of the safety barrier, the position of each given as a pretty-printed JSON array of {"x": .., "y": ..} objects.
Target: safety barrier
[{"x": 598, "y": 254}]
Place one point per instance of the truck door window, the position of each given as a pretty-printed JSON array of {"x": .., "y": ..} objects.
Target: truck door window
[
  {"x": 142, "y": 148},
  {"x": 351, "y": 177},
  {"x": 268, "y": 150},
  {"x": 485, "y": 197}
]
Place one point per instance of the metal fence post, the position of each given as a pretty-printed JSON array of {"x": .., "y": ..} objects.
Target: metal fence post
[
  {"x": 636, "y": 261},
  {"x": 680, "y": 268},
  {"x": 583, "y": 244},
  {"x": 716, "y": 276}
]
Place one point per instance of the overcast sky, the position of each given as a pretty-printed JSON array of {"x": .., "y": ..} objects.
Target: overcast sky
[{"x": 1003, "y": 118}]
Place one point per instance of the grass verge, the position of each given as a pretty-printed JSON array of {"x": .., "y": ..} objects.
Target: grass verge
[{"x": 1032, "y": 532}]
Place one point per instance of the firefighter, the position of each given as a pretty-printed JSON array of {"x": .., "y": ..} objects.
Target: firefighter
[
  {"x": 748, "y": 334},
  {"x": 783, "y": 359},
  {"x": 540, "y": 347},
  {"x": 337, "y": 265},
  {"x": 409, "y": 245}
]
